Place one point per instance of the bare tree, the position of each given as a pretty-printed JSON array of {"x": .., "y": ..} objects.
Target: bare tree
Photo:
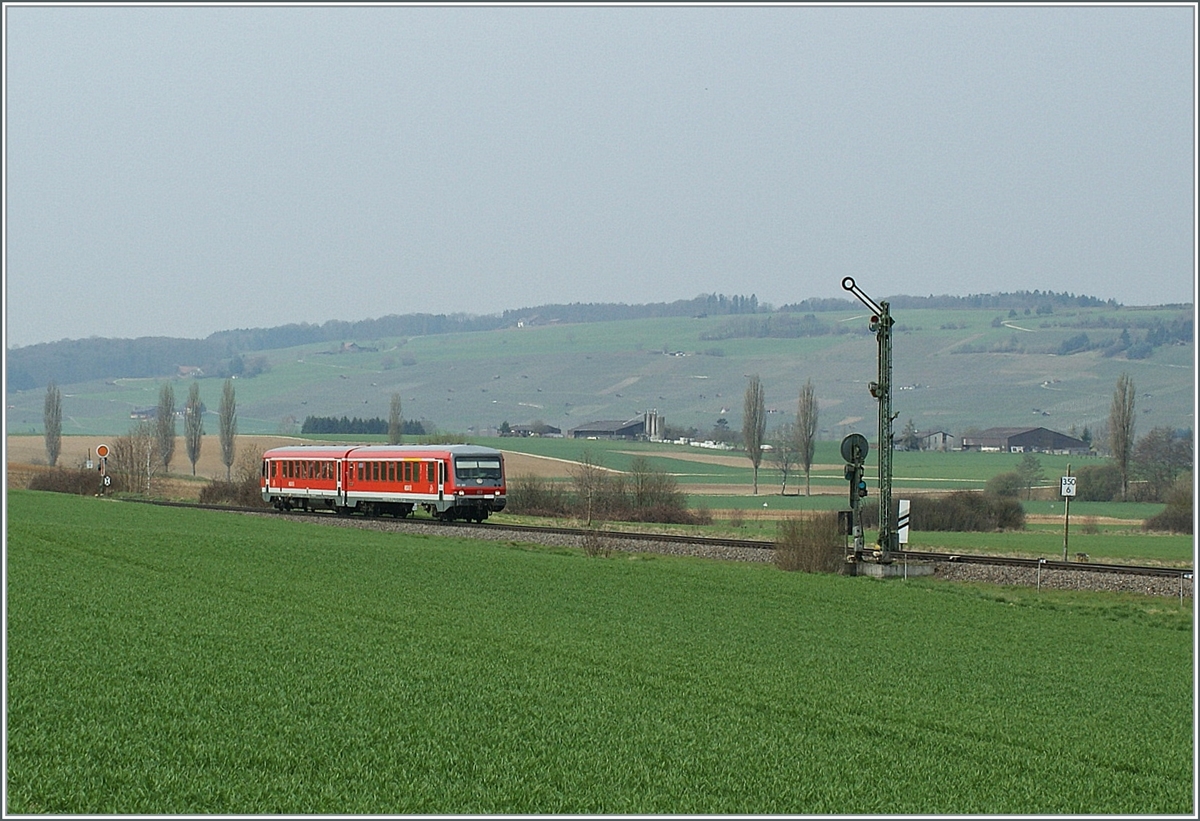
[
  {"x": 395, "y": 421},
  {"x": 228, "y": 426},
  {"x": 784, "y": 454},
  {"x": 589, "y": 481},
  {"x": 134, "y": 459},
  {"x": 164, "y": 426},
  {"x": 52, "y": 419},
  {"x": 1030, "y": 471},
  {"x": 1158, "y": 459},
  {"x": 1120, "y": 428},
  {"x": 806, "y": 432},
  {"x": 193, "y": 424},
  {"x": 754, "y": 424}
]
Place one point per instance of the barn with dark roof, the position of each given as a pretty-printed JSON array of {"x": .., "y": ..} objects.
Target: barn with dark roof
[{"x": 1024, "y": 440}]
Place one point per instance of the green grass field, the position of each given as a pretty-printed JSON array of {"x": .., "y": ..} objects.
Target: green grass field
[{"x": 165, "y": 661}]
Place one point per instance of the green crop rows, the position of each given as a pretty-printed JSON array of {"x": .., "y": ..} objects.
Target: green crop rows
[{"x": 166, "y": 661}]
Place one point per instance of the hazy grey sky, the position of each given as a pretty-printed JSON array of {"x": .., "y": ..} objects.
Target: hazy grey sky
[{"x": 182, "y": 170}]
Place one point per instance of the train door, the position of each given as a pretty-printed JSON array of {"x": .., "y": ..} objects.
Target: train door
[{"x": 441, "y": 483}]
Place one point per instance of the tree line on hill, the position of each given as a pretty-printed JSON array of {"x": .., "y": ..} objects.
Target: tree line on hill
[{"x": 223, "y": 354}]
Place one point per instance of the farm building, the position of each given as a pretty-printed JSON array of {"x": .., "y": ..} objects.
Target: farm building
[
  {"x": 645, "y": 426},
  {"x": 1024, "y": 440},
  {"x": 930, "y": 440},
  {"x": 535, "y": 430}
]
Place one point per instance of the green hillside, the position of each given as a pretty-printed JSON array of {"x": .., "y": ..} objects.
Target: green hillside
[{"x": 953, "y": 369}]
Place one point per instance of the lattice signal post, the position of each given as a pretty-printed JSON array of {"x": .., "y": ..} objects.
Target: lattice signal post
[{"x": 881, "y": 324}]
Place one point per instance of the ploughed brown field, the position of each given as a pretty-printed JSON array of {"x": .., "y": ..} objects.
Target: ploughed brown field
[{"x": 26, "y": 455}]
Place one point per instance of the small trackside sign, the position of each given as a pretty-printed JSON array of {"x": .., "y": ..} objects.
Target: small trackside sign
[{"x": 1068, "y": 486}]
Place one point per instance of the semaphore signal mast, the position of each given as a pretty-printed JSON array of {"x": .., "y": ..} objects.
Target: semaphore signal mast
[{"x": 881, "y": 325}]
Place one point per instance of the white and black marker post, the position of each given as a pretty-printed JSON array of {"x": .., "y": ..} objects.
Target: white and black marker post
[{"x": 1068, "y": 490}]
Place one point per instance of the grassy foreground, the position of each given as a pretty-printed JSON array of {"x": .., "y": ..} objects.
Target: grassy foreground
[{"x": 167, "y": 661}]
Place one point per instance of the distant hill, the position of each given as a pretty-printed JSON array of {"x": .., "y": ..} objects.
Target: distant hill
[
  {"x": 1047, "y": 360},
  {"x": 224, "y": 353}
]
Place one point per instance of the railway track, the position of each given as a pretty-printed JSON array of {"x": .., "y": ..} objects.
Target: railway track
[{"x": 752, "y": 545}]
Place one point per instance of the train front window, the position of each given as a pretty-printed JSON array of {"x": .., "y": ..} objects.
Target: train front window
[{"x": 477, "y": 470}]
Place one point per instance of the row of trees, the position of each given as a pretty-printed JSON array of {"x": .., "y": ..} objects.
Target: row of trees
[
  {"x": 149, "y": 447},
  {"x": 395, "y": 428},
  {"x": 795, "y": 443}
]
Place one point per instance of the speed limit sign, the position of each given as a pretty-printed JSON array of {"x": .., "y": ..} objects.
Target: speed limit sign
[{"x": 1068, "y": 486}]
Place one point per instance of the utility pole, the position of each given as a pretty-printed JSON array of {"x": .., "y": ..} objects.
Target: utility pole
[{"x": 881, "y": 324}]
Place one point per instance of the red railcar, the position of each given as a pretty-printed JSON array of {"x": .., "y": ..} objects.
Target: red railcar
[{"x": 449, "y": 481}]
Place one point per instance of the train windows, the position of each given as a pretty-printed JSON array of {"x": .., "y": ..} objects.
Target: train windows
[
  {"x": 362, "y": 471},
  {"x": 408, "y": 471},
  {"x": 391, "y": 471},
  {"x": 486, "y": 468}
]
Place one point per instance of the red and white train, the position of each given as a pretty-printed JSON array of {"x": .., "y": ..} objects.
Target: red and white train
[{"x": 449, "y": 481}]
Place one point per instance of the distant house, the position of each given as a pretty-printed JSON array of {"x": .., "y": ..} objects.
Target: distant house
[
  {"x": 535, "y": 430},
  {"x": 1024, "y": 440},
  {"x": 930, "y": 440},
  {"x": 645, "y": 426}
]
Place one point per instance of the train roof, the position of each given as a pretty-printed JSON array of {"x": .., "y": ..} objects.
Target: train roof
[
  {"x": 309, "y": 452},
  {"x": 376, "y": 451},
  {"x": 425, "y": 450}
]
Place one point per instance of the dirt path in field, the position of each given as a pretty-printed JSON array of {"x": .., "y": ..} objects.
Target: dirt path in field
[
  {"x": 715, "y": 459},
  {"x": 1054, "y": 519}
]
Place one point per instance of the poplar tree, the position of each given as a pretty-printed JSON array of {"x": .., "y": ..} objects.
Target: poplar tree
[
  {"x": 395, "y": 421},
  {"x": 164, "y": 426},
  {"x": 52, "y": 419},
  {"x": 806, "y": 432},
  {"x": 1120, "y": 428},
  {"x": 193, "y": 424},
  {"x": 754, "y": 424},
  {"x": 228, "y": 423}
]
